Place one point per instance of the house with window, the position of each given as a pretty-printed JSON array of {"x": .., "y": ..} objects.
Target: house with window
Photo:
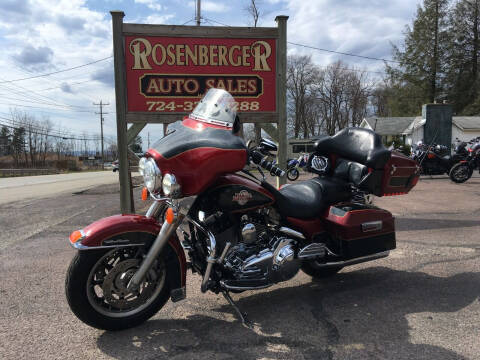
[
  {"x": 411, "y": 129},
  {"x": 297, "y": 147}
]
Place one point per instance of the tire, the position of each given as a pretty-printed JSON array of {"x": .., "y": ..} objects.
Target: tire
[
  {"x": 460, "y": 173},
  {"x": 85, "y": 303},
  {"x": 293, "y": 174},
  {"x": 114, "y": 170},
  {"x": 316, "y": 272}
]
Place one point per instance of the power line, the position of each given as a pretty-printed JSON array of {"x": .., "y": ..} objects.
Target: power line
[
  {"x": 53, "y": 80},
  {"x": 46, "y": 108},
  {"x": 57, "y": 72},
  {"x": 29, "y": 94},
  {"x": 38, "y": 128},
  {"x": 101, "y": 105},
  {"x": 320, "y": 49},
  {"x": 186, "y": 22},
  {"x": 48, "y": 135},
  {"x": 342, "y": 53},
  {"x": 215, "y": 21},
  {"x": 43, "y": 102}
]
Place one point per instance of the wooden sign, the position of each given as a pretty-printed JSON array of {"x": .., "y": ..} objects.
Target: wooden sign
[{"x": 171, "y": 74}]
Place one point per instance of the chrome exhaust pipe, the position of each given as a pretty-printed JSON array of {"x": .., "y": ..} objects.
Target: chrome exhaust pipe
[{"x": 354, "y": 261}]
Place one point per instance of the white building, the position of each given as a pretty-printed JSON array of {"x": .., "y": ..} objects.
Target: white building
[{"x": 464, "y": 128}]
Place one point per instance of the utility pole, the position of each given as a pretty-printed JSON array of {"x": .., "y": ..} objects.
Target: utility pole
[
  {"x": 198, "y": 12},
  {"x": 148, "y": 140},
  {"x": 101, "y": 127}
]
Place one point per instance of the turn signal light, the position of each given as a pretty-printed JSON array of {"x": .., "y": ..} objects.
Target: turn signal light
[
  {"x": 75, "y": 236},
  {"x": 144, "y": 194},
  {"x": 170, "y": 215}
]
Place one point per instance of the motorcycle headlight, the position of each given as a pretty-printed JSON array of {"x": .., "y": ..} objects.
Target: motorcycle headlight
[
  {"x": 141, "y": 165},
  {"x": 170, "y": 186},
  {"x": 152, "y": 176}
]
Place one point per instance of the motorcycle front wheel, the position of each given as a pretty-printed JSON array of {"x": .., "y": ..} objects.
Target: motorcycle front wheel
[
  {"x": 96, "y": 288},
  {"x": 293, "y": 174},
  {"x": 460, "y": 173}
]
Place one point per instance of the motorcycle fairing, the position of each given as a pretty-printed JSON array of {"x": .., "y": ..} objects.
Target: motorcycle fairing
[
  {"x": 198, "y": 158},
  {"x": 131, "y": 229},
  {"x": 188, "y": 137}
]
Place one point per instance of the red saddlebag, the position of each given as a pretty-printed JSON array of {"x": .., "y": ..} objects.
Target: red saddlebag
[
  {"x": 361, "y": 230},
  {"x": 398, "y": 177}
]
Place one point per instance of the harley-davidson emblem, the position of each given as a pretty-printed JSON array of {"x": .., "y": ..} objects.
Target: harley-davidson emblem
[{"x": 242, "y": 197}]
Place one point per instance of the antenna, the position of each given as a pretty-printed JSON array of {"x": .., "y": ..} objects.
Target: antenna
[{"x": 198, "y": 16}]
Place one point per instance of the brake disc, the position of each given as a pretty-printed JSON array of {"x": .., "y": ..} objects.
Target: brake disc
[{"x": 115, "y": 290}]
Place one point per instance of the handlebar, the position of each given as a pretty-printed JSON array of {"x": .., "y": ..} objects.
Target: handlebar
[{"x": 262, "y": 161}]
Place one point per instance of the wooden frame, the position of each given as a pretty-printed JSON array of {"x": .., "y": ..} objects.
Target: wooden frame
[{"x": 140, "y": 119}]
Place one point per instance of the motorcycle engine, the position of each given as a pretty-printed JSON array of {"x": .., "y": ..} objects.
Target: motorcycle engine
[{"x": 261, "y": 258}]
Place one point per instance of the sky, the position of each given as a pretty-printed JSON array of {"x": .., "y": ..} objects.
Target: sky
[{"x": 44, "y": 36}]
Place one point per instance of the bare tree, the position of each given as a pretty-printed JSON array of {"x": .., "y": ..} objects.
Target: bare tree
[
  {"x": 342, "y": 96},
  {"x": 302, "y": 80},
  {"x": 253, "y": 11}
]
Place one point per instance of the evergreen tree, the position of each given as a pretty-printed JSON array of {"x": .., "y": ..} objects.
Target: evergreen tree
[
  {"x": 419, "y": 76},
  {"x": 464, "y": 47},
  {"x": 18, "y": 144},
  {"x": 5, "y": 141}
]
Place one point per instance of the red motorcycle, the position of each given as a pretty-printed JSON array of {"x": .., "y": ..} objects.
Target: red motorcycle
[{"x": 240, "y": 232}]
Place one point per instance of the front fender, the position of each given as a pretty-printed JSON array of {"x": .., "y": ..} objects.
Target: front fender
[{"x": 132, "y": 230}]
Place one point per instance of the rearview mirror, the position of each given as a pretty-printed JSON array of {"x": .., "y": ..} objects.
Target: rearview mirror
[{"x": 268, "y": 145}]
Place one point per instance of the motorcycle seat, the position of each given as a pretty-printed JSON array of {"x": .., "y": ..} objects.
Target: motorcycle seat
[{"x": 309, "y": 198}]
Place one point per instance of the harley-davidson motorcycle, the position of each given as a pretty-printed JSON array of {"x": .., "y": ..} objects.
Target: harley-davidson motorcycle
[
  {"x": 463, "y": 171},
  {"x": 239, "y": 232},
  {"x": 433, "y": 159}
]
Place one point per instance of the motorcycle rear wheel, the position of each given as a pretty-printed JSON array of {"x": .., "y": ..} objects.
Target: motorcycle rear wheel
[
  {"x": 293, "y": 174},
  {"x": 460, "y": 173},
  {"x": 96, "y": 290}
]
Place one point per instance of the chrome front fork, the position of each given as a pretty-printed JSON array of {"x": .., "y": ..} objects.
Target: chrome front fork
[{"x": 162, "y": 238}]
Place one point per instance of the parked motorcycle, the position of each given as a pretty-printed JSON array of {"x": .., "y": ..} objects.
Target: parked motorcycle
[
  {"x": 463, "y": 171},
  {"x": 293, "y": 166},
  {"x": 433, "y": 159},
  {"x": 240, "y": 232}
]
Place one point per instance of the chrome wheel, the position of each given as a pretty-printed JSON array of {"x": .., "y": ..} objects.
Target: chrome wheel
[
  {"x": 107, "y": 290},
  {"x": 460, "y": 173},
  {"x": 293, "y": 174}
]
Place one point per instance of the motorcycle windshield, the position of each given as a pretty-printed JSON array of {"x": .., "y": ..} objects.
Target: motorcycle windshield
[{"x": 217, "y": 107}]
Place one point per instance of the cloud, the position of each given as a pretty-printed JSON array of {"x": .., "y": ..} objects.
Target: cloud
[
  {"x": 152, "y": 4},
  {"x": 211, "y": 6},
  {"x": 67, "y": 88},
  {"x": 105, "y": 76},
  {"x": 35, "y": 58},
  {"x": 71, "y": 23},
  {"x": 350, "y": 26},
  {"x": 156, "y": 19},
  {"x": 15, "y": 6}
]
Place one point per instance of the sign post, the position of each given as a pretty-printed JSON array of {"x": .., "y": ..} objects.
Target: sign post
[{"x": 162, "y": 72}]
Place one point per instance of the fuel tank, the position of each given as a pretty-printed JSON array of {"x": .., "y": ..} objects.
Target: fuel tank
[
  {"x": 236, "y": 193},
  {"x": 198, "y": 154}
]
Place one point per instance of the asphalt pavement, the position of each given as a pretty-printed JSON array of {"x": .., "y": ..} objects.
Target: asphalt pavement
[
  {"x": 42, "y": 186},
  {"x": 422, "y": 302}
]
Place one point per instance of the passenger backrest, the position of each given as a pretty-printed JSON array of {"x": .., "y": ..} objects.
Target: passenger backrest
[{"x": 349, "y": 171}]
